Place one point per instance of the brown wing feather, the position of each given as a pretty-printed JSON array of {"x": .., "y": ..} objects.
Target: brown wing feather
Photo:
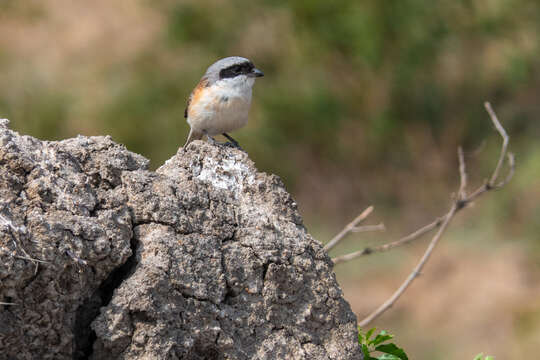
[{"x": 202, "y": 84}]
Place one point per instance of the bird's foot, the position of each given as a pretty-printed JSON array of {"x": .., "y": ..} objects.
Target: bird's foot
[
  {"x": 213, "y": 141},
  {"x": 232, "y": 143}
]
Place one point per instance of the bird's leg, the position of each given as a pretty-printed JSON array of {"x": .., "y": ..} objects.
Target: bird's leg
[
  {"x": 211, "y": 140},
  {"x": 233, "y": 142}
]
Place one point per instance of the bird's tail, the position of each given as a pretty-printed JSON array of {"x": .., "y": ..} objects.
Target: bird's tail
[{"x": 193, "y": 135}]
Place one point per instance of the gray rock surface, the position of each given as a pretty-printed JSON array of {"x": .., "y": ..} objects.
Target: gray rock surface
[{"x": 206, "y": 258}]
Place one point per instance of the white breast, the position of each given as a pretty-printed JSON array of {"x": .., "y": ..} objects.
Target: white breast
[{"x": 223, "y": 107}]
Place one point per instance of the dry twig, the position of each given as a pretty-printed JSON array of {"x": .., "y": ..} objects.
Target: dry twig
[
  {"x": 31, "y": 259},
  {"x": 8, "y": 304},
  {"x": 404, "y": 240},
  {"x": 460, "y": 202},
  {"x": 417, "y": 270},
  {"x": 462, "y": 193},
  {"x": 351, "y": 227},
  {"x": 369, "y": 228}
]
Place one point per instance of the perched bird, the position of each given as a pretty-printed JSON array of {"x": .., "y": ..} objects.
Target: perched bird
[{"x": 220, "y": 102}]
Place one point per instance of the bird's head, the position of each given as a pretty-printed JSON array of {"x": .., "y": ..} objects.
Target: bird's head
[{"x": 234, "y": 70}]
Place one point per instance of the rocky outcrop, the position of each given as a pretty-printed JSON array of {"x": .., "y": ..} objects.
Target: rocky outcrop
[{"x": 206, "y": 258}]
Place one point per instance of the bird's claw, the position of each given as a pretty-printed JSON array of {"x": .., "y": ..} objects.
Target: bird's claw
[{"x": 231, "y": 143}]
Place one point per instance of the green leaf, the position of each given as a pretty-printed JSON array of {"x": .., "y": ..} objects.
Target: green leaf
[
  {"x": 388, "y": 357},
  {"x": 365, "y": 351},
  {"x": 481, "y": 357},
  {"x": 369, "y": 333},
  {"x": 360, "y": 337},
  {"x": 392, "y": 349},
  {"x": 382, "y": 337}
]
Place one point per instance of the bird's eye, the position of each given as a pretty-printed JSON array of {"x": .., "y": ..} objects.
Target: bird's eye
[{"x": 233, "y": 70}]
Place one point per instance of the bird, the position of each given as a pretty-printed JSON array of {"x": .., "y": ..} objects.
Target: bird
[{"x": 221, "y": 100}]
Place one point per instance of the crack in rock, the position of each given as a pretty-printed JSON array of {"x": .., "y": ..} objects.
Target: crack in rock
[{"x": 84, "y": 335}]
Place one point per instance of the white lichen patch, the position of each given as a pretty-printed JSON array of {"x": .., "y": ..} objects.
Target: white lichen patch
[{"x": 229, "y": 174}]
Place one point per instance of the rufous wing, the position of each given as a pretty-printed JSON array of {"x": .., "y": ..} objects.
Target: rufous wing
[
  {"x": 195, "y": 94},
  {"x": 193, "y": 98}
]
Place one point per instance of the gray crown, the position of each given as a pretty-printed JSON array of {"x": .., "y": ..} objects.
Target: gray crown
[
  {"x": 225, "y": 63},
  {"x": 212, "y": 74}
]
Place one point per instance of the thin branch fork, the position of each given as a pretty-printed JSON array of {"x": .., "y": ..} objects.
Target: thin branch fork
[
  {"x": 382, "y": 248},
  {"x": 351, "y": 227},
  {"x": 460, "y": 202},
  {"x": 418, "y": 268},
  {"x": 464, "y": 199},
  {"x": 504, "y": 148},
  {"x": 418, "y": 233}
]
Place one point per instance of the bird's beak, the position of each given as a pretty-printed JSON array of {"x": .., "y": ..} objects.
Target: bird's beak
[{"x": 256, "y": 73}]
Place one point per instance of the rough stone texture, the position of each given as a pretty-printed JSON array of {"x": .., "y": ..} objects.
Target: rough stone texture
[{"x": 206, "y": 258}]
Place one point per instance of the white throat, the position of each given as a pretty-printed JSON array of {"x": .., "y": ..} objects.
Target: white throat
[{"x": 240, "y": 86}]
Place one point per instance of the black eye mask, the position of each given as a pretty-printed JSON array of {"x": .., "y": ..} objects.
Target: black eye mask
[{"x": 235, "y": 70}]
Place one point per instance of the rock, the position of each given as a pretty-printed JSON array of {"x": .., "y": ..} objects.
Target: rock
[{"x": 206, "y": 258}]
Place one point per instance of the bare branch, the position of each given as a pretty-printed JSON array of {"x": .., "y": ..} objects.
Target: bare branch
[
  {"x": 491, "y": 184},
  {"x": 404, "y": 240},
  {"x": 461, "y": 201},
  {"x": 510, "y": 175},
  {"x": 368, "y": 228},
  {"x": 349, "y": 228},
  {"x": 462, "y": 193},
  {"x": 417, "y": 270},
  {"x": 506, "y": 139}
]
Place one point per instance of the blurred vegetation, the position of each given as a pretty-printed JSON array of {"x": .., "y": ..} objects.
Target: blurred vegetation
[{"x": 365, "y": 101}]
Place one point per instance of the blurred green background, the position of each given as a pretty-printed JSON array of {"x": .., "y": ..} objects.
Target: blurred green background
[{"x": 363, "y": 102}]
